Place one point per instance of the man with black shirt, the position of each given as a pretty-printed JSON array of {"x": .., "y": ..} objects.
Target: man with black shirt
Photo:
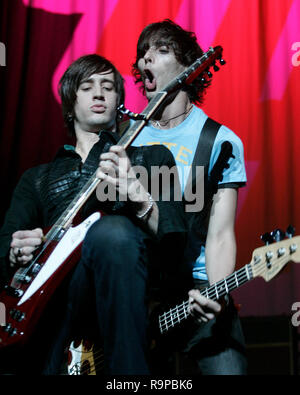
[{"x": 106, "y": 294}]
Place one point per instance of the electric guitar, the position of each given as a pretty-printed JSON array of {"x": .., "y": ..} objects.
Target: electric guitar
[
  {"x": 266, "y": 262},
  {"x": 84, "y": 359},
  {"x": 30, "y": 289}
]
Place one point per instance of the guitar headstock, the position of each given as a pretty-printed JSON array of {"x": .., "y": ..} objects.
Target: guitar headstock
[
  {"x": 207, "y": 60},
  {"x": 201, "y": 65},
  {"x": 267, "y": 261}
]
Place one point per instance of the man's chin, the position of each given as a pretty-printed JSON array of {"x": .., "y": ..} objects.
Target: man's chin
[
  {"x": 110, "y": 126},
  {"x": 101, "y": 123}
]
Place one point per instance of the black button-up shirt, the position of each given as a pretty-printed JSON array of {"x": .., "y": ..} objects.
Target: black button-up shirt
[{"x": 45, "y": 191}]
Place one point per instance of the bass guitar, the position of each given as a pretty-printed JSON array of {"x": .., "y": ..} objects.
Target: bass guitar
[{"x": 266, "y": 262}]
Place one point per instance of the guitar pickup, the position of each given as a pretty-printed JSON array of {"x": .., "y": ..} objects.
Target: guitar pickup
[
  {"x": 17, "y": 315},
  {"x": 10, "y": 330}
]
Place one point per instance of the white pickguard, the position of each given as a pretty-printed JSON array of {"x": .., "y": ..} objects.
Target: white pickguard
[
  {"x": 71, "y": 239},
  {"x": 75, "y": 366}
]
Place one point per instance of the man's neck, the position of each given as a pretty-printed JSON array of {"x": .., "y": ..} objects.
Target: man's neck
[
  {"x": 85, "y": 140},
  {"x": 174, "y": 113}
]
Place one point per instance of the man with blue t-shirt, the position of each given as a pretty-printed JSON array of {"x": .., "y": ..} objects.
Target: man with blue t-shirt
[{"x": 214, "y": 337}]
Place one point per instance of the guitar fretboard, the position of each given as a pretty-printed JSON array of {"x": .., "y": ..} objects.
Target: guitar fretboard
[
  {"x": 180, "y": 312},
  {"x": 73, "y": 208}
]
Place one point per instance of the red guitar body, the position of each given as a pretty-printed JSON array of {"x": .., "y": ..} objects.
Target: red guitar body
[{"x": 29, "y": 291}]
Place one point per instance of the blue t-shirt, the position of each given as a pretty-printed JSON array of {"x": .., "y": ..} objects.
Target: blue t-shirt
[{"x": 182, "y": 141}]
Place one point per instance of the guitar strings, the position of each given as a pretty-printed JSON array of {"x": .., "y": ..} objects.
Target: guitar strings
[
  {"x": 95, "y": 367},
  {"x": 184, "y": 312},
  {"x": 181, "y": 312},
  {"x": 98, "y": 360}
]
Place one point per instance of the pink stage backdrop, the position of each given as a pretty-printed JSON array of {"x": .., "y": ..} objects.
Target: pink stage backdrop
[{"x": 256, "y": 94}]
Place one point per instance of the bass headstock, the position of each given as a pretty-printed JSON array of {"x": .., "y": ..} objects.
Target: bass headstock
[{"x": 269, "y": 260}]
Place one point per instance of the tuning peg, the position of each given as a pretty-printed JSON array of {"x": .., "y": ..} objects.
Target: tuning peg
[
  {"x": 222, "y": 62},
  {"x": 209, "y": 74},
  {"x": 278, "y": 235},
  {"x": 216, "y": 68},
  {"x": 267, "y": 238},
  {"x": 290, "y": 231}
]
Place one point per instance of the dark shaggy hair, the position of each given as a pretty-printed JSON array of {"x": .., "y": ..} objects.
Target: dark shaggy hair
[
  {"x": 186, "y": 49},
  {"x": 78, "y": 71}
]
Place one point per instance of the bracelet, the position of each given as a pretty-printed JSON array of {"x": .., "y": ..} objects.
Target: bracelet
[{"x": 150, "y": 206}]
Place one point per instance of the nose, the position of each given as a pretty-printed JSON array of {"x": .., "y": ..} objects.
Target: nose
[
  {"x": 148, "y": 57},
  {"x": 98, "y": 92}
]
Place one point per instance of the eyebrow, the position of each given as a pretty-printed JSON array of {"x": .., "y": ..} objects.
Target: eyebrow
[
  {"x": 161, "y": 42},
  {"x": 91, "y": 80}
]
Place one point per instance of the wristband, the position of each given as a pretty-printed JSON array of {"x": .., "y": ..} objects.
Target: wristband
[{"x": 150, "y": 206}]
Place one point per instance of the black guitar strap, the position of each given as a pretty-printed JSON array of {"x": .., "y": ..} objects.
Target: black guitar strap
[
  {"x": 198, "y": 220},
  {"x": 204, "y": 149},
  {"x": 205, "y": 143}
]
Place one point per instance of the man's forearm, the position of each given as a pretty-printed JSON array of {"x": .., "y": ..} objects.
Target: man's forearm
[{"x": 220, "y": 257}]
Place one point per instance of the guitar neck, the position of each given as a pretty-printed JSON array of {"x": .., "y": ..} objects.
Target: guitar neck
[
  {"x": 187, "y": 76},
  {"x": 66, "y": 218},
  {"x": 229, "y": 283},
  {"x": 148, "y": 112},
  {"x": 179, "y": 313}
]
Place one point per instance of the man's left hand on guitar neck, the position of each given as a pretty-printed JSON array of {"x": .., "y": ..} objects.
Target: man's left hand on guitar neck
[{"x": 204, "y": 309}]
